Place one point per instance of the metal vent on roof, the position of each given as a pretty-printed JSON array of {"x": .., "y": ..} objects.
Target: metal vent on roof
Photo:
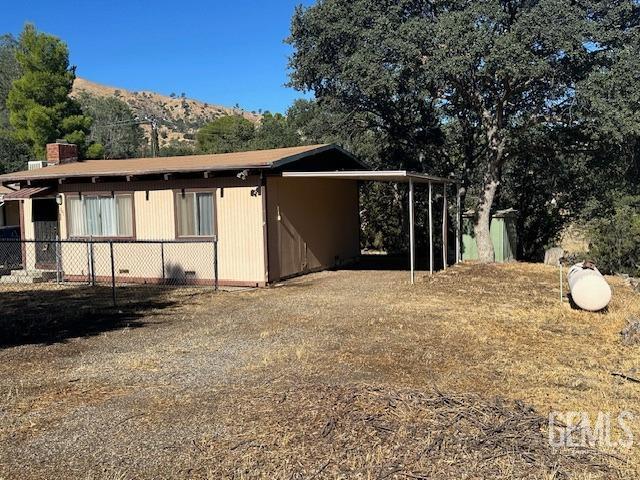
[{"x": 35, "y": 164}]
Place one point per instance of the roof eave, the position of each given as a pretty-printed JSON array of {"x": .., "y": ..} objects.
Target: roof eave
[
  {"x": 137, "y": 173},
  {"x": 324, "y": 148},
  {"x": 387, "y": 175}
]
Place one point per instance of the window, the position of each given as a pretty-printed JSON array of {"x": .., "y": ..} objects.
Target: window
[
  {"x": 195, "y": 214},
  {"x": 100, "y": 216}
]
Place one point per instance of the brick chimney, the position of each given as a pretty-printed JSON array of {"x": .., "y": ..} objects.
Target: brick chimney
[{"x": 61, "y": 152}]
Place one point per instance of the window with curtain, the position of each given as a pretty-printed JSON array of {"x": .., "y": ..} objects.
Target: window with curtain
[
  {"x": 195, "y": 214},
  {"x": 100, "y": 216}
]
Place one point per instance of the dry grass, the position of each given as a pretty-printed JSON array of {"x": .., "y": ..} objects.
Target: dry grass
[
  {"x": 338, "y": 374},
  {"x": 371, "y": 432}
]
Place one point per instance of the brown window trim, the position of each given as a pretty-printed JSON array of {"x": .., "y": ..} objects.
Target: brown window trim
[
  {"x": 102, "y": 194},
  {"x": 179, "y": 191}
]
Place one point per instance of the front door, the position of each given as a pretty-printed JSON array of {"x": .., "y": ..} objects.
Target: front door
[{"x": 45, "y": 224}]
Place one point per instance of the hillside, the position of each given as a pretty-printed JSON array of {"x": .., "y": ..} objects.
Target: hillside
[{"x": 179, "y": 117}]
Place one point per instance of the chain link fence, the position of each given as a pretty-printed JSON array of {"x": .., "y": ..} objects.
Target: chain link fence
[{"x": 29, "y": 264}]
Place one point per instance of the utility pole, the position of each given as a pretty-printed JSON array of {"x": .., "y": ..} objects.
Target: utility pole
[
  {"x": 154, "y": 138},
  {"x": 155, "y": 144}
]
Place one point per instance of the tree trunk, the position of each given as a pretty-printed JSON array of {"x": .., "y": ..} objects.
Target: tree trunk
[
  {"x": 496, "y": 142},
  {"x": 483, "y": 220}
]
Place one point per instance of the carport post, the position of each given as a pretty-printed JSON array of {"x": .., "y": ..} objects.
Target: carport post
[
  {"x": 412, "y": 243},
  {"x": 444, "y": 225},
  {"x": 430, "y": 230}
]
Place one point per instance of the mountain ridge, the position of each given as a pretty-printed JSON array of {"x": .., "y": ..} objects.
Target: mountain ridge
[{"x": 178, "y": 117}]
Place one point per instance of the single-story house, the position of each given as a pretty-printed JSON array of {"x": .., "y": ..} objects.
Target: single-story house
[{"x": 275, "y": 213}]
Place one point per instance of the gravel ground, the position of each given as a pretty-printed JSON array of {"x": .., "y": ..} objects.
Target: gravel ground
[{"x": 197, "y": 384}]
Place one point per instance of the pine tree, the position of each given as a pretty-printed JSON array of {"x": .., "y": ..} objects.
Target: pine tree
[{"x": 40, "y": 109}]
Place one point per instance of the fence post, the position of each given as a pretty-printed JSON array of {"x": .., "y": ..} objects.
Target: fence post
[
  {"x": 58, "y": 276},
  {"x": 113, "y": 273},
  {"x": 92, "y": 262},
  {"x": 162, "y": 258},
  {"x": 215, "y": 263},
  {"x": 88, "y": 262}
]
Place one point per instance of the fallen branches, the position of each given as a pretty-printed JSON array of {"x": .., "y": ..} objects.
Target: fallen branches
[
  {"x": 626, "y": 377},
  {"x": 370, "y": 432}
]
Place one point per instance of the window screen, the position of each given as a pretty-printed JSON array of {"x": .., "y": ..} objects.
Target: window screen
[
  {"x": 195, "y": 214},
  {"x": 100, "y": 216}
]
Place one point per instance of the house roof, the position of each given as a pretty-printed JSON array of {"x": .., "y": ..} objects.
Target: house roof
[{"x": 259, "y": 159}]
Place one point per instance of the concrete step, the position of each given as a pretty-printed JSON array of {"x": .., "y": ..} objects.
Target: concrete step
[
  {"x": 43, "y": 274},
  {"x": 12, "y": 279}
]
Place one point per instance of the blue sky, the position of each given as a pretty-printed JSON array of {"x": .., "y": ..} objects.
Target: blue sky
[{"x": 223, "y": 52}]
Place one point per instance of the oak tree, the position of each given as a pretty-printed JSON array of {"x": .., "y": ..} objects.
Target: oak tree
[{"x": 489, "y": 70}]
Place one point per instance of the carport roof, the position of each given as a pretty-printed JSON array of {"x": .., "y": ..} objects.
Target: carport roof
[{"x": 401, "y": 176}]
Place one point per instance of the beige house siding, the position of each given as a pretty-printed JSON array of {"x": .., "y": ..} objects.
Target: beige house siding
[
  {"x": 240, "y": 233},
  {"x": 62, "y": 218},
  {"x": 154, "y": 215},
  {"x": 29, "y": 231},
  {"x": 29, "y": 249},
  {"x": 141, "y": 262},
  {"x": 312, "y": 224},
  {"x": 240, "y": 230}
]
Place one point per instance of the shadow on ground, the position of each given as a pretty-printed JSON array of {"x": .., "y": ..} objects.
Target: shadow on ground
[
  {"x": 54, "y": 315},
  {"x": 395, "y": 262}
]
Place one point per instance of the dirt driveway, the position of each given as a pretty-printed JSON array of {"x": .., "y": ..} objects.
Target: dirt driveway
[{"x": 332, "y": 375}]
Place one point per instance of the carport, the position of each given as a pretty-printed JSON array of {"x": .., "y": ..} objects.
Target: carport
[{"x": 412, "y": 178}]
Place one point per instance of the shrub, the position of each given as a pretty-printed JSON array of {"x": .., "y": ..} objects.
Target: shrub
[
  {"x": 95, "y": 151},
  {"x": 615, "y": 240}
]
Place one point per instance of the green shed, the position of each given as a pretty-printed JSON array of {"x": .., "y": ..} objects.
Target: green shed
[{"x": 503, "y": 236}]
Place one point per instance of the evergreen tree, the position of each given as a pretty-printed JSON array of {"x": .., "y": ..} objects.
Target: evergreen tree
[
  {"x": 9, "y": 71},
  {"x": 14, "y": 155},
  {"x": 40, "y": 109}
]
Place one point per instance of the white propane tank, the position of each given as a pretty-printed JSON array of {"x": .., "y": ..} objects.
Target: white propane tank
[{"x": 589, "y": 290}]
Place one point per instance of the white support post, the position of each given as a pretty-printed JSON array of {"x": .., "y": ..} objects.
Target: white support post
[
  {"x": 412, "y": 243},
  {"x": 430, "y": 230},
  {"x": 444, "y": 225},
  {"x": 458, "y": 223}
]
